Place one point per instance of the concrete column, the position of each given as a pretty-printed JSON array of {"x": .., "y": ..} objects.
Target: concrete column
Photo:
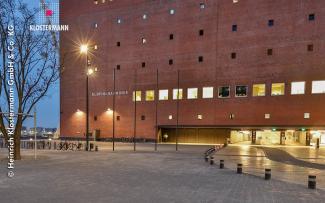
[
  {"x": 282, "y": 137},
  {"x": 253, "y": 136},
  {"x": 308, "y": 137}
]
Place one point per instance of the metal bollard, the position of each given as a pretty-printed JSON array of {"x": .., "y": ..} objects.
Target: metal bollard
[
  {"x": 211, "y": 160},
  {"x": 312, "y": 182},
  {"x": 239, "y": 168},
  {"x": 96, "y": 148},
  {"x": 222, "y": 164},
  {"x": 267, "y": 174}
]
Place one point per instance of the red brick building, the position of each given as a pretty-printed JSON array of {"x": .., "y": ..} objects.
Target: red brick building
[{"x": 248, "y": 70}]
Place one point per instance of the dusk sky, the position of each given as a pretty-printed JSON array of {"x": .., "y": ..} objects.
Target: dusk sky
[{"x": 48, "y": 110}]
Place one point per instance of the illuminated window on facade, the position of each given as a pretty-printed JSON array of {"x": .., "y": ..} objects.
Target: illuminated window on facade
[
  {"x": 241, "y": 91},
  {"x": 202, "y": 6},
  {"x": 318, "y": 87},
  {"x": 298, "y": 88},
  {"x": 207, "y": 92},
  {"x": 258, "y": 90},
  {"x": 224, "y": 92},
  {"x": 144, "y": 40},
  {"x": 144, "y": 16},
  {"x": 171, "y": 11},
  {"x": 306, "y": 115},
  {"x": 150, "y": 95},
  {"x": 163, "y": 94},
  {"x": 177, "y": 93},
  {"x": 95, "y": 2},
  {"x": 136, "y": 95},
  {"x": 119, "y": 21},
  {"x": 192, "y": 93},
  {"x": 278, "y": 89},
  {"x": 235, "y": 1}
]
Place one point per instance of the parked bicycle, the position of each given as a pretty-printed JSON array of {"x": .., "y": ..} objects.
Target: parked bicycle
[{"x": 65, "y": 146}]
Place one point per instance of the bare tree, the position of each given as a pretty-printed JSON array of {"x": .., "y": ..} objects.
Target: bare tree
[{"x": 36, "y": 64}]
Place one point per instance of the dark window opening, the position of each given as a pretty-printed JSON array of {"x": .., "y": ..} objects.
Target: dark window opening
[
  {"x": 143, "y": 117},
  {"x": 95, "y": 118},
  {"x": 224, "y": 92},
  {"x": 271, "y": 23},
  {"x": 171, "y": 37},
  {"x": 143, "y": 64},
  {"x": 234, "y": 28},
  {"x": 118, "y": 44},
  {"x": 171, "y": 61},
  {"x": 241, "y": 91},
  {"x": 270, "y": 52},
  {"x": 233, "y": 55},
  {"x": 118, "y": 67},
  {"x": 310, "y": 47},
  {"x": 118, "y": 118},
  {"x": 201, "y": 32},
  {"x": 200, "y": 58},
  {"x": 311, "y": 17}
]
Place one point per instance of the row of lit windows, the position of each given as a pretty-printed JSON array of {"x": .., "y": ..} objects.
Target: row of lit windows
[{"x": 258, "y": 90}]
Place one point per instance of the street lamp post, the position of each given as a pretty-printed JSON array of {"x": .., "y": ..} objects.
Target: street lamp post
[{"x": 84, "y": 50}]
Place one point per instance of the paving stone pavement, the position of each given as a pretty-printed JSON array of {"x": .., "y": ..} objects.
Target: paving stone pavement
[
  {"x": 142, "y": 176},
  {"x": 255, "y": 161}
]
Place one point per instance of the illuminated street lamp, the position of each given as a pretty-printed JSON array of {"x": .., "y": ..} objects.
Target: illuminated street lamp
[{"x": 84, "y": 49}]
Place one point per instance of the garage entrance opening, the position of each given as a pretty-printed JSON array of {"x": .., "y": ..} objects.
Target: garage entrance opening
[{"x": 194, "y": 135}]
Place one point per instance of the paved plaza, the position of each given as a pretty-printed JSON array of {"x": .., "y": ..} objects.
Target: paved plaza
[{"x": 162, "y": 176}]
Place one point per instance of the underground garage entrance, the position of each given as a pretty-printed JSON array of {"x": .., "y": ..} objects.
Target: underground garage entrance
[{"x": 194, "y": 135}]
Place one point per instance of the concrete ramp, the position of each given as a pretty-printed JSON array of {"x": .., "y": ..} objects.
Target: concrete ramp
[{"x": 282, "y": 156}]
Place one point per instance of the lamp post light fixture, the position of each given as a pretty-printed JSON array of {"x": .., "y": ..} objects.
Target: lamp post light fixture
[{"x": 84, "y": 48}]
